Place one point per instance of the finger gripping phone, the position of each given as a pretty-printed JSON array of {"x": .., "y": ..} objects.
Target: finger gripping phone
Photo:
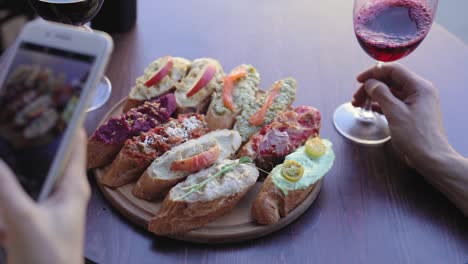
[{"x": 50, "y": 75}]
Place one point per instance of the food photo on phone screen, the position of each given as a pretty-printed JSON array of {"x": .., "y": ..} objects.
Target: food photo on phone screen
[{"x": 37, "y": 101}]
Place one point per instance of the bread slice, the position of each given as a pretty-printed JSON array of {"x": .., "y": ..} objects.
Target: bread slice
[
  {"x": 279, "y": 195},
  {"x": 138, "y": 153},
  {"x": 280, "y": 103},
  {"x": 181, "y": 213},
  {"x": 107, "y": 141},
  {"x": 271, "y": 203},
  {"x": 216, "y": 121},
  {"x": 244, "y": 91},
  {"x": 288, "y": 131},
  {"x": 141, "y": 93},
  {"x": 200, "y": 101},
  {"x": 100, "y": 153},
  {"x": 159, "y": 178},
  {"x": 131, "y": 103}
]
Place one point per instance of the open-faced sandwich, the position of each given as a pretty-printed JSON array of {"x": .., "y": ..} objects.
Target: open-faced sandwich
[
  {"x": 204, "y": 197},
  {"x": 109, "y": 138},
  {"x": 181, "y": 161},
  {"x": 193, "y": 93},
  {"x": 159, "y": 78},
  {"x": 139, "y": 152},
  {"x": 288, "y": 131},
  {"x": 262, "y": 112},
  {"x": 239, "y": 90},
  {"x": 291, "y": 182}
]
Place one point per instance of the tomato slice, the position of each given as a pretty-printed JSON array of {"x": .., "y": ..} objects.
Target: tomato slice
[
  {"x": 315, "y": 148},
  {"x": 197, "y": 162},
  {"x": 167, "y": 65},
  {"x": 229, "y": 88},
  {"x": 238, "y": 74},
  {"x": 227, "y": 94},
  {"x": 258, "y": 118},
  {"x": 208, "y": 72},
  {"x": 292, "y": 170}
]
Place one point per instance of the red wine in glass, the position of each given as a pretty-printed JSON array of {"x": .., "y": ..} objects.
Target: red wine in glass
[
  {"x": 390, "y": 30},
  {"x": 387, "y": 30},
  {"x": 74, "y": 12}
]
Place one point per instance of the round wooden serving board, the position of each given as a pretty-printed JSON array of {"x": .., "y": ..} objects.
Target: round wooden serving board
[{"x": 235, "y": 226}]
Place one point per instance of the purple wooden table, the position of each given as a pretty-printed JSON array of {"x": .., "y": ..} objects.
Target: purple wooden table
[{"x": 372, "y": 208}]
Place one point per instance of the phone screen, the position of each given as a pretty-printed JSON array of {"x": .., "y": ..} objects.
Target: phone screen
[{"x": 37, "y": 99}]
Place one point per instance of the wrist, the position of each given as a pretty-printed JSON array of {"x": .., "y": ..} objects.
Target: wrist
[{"x": 438, "y": 160}]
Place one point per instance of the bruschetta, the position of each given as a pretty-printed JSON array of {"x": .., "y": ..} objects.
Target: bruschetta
[
  {"x": 109, "y": 138},
  {"x": 288, "y": 131},
  {"x": 262, "y": 112},
  {"x": 159, "y": 78},
  {"x": 193, "y": 93},
  {"x": 289, "y": 184},
  {"x": 239, "y": 90},
  {"x": 138, "y": 153},
  {"x": 204, "y": 197},
  {"x": 181, "y": 161}
]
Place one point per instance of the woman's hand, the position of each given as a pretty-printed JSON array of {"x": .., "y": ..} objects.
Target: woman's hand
[
  {"x": 411, "y": 106},
  {"x": 52, "y": 231}
]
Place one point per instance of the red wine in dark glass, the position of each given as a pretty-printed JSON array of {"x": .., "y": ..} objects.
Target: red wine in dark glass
[
  {"x": 74, "y": 12},
  {"x": 390, "y": 30}
]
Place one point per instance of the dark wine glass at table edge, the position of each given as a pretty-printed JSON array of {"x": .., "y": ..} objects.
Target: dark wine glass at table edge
[
  {"x": 77, "y": 13},
  {"x": 387, "y": 30}
]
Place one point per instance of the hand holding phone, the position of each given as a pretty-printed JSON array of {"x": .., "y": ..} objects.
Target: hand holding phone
[
  {"x": 52, "y": 231},
  {"x": 51, "y": 74}
]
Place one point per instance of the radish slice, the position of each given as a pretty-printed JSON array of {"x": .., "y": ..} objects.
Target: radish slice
[
  {"x": 198, "y": 162},
  {"x": 207, "y": 74},
  {"x": 168, "y": 64}
]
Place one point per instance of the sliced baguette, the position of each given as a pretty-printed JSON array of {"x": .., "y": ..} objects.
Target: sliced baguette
[
  {"x": 141, "y": 93},
  {"x": 288, "y": 131},
  {"x": 243, "y": 94},
  {"x": 131, "y": 103},
  {"x": 200, "y": 101},
  {"x": 107, "y": 141},
  {"x": 279, "y": 195},
  {"x": 216, "y": 122},
  {"x": 139, "y": 152},
  {"x": 100, "y": 153},
  {"x": 280, "y": 103},
  {"x": 271, "y": 203},
  {"x": 181, "y": 213},
  {"x": 159, "y": 178}
]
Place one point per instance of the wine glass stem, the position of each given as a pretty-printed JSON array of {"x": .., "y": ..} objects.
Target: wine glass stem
[{"x": 366, "y": 114}]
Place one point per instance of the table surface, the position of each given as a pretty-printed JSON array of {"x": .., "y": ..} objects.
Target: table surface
[{"x": 372, "y": 208}]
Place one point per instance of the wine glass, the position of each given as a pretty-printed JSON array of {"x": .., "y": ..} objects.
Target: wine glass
[
  {"x": 387, "y": 30},
  {"x": 78, "y": 13}
]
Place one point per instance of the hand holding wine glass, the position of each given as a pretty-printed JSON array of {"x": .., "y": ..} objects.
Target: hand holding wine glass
[
  {"x": 412, "y": 108},
  {"x": 77, "y": 13},
  {"x": 387, "y": 30},
  {"x": 411, "y": 105}
]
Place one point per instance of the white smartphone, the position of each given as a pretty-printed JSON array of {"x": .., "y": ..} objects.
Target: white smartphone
[{"x": 50, "y": 76}]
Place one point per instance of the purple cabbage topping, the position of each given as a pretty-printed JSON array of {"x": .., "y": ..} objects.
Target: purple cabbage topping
[{"x": 141, "y": 119}]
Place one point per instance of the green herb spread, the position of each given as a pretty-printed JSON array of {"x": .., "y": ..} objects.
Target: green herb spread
[{"x": 314, "y": 169}]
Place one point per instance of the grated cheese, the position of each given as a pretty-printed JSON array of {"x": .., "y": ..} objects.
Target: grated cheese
[{"x": 188, "y": 124}]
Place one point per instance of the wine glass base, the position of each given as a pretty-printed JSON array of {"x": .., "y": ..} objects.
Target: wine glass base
[
  {"x": 101, "y": 95},
  {"x": 362, "y": 131}
]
